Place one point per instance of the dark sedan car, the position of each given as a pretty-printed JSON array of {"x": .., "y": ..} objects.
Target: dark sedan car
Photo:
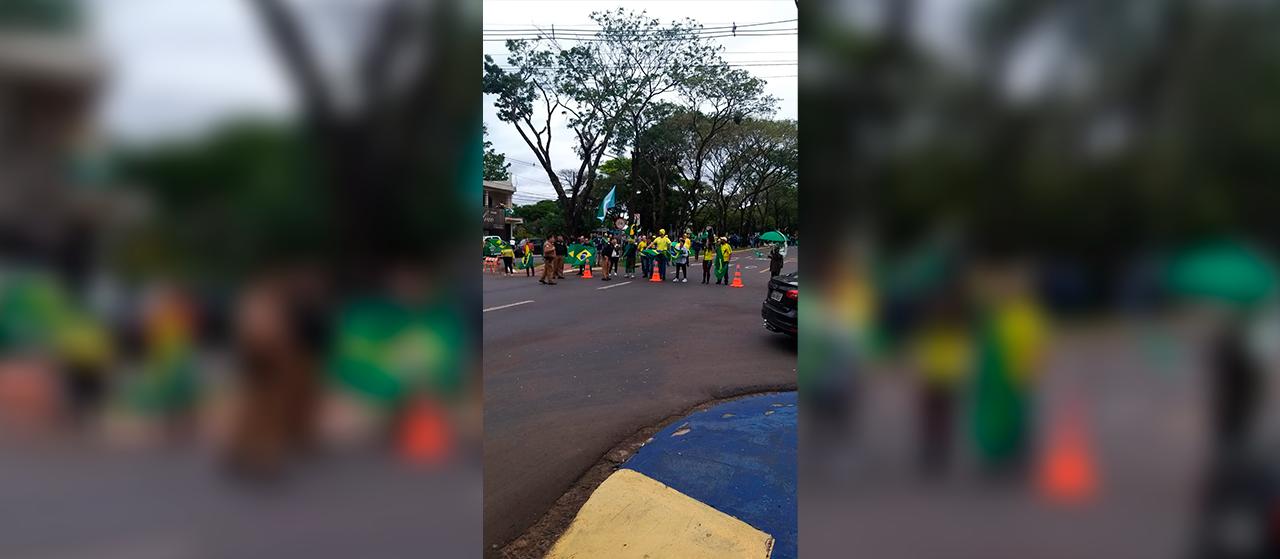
[{"x": 781, "y": 303}]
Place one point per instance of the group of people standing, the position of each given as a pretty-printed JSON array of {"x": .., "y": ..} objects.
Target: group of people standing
[{"x": 653, "y": 252}]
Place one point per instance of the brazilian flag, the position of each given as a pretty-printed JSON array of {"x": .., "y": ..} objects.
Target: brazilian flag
[
  {"x": 649, "y": 252},
  {"x": 721, "y": 267},
  {"x": 494, "y": 247},
  {"x": 580, "y": 255},
  {"x": 526, "y": 261}
]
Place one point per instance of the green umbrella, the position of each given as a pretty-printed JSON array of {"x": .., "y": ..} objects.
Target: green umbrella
[
  {"x": 774, "y": 236},
  {"x": 1224, "y": 271}
]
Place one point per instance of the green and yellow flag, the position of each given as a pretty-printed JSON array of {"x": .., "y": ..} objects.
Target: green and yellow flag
[
  {"x": 494, "y": 247},
  {"x": 580, "y": 255}
]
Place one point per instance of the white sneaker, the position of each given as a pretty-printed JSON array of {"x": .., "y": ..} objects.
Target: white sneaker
[{"x": 685, "y": 280}]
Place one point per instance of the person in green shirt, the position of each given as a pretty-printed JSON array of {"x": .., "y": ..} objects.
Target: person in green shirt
[{"x": 629, "y": 253}]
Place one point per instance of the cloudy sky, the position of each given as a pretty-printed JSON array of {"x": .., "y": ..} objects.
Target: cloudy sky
[
  {"x": 177, "y": 67},
  {"x": 531, "y": 181}
]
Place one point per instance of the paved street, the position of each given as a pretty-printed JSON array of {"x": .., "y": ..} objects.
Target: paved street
[
  {"x": 70, "y": 501},
  {"x": 573, "y": 369},
  {"x": 1144, "y": 428}
]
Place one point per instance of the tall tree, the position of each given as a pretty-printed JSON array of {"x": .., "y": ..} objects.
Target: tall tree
[
  {"x": 603, "y": 89},
  {"x": 495, "y": 164},
  {"x": 366, "y": 107},
  {"x": 717, "y": 97}
]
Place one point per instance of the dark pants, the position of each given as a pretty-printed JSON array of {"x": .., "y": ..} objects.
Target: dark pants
[
  {"x": 937, "y": 426},
  {"x": 529, "y": 271},
  {"x": 682, "y": 268},
  {"x": 631, "y": 264},
  {"x": 706, "y": 271},
  {"x": 646, "y": 265},
  {"x": 506, "y": 261},
  {"x": 85, "y": 390},
  {"x": 662, "y": 267},
  {"x": 558, "y": 268}
]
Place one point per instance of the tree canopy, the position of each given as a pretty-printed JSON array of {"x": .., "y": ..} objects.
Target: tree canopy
[{"x": 663, "y": 91}]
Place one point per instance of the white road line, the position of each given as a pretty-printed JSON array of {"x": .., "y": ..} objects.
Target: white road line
[
  {"x": 505, "y": 306},
  {"x": 613, "y": 286}
]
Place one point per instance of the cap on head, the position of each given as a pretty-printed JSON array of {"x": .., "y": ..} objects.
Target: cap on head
[{"x": 662, "y": 231}]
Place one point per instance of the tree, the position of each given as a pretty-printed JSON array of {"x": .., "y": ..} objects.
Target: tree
[
  {"x": 227, "y": 203},
  {"x": 367, "y": 116},
  {"x": 715, "y": 98},
  {"x": 495, "y": 164},
  {"x": 603, "y": 89},
  {"x": 542, "y": 219}
]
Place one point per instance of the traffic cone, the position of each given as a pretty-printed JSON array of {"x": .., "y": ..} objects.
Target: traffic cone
[
  {"x": 425, "y": 436},
  {"x": 737, "y": 277},
  {"x": 1066, "y": 470},
  {"x": 586, "y": 272},
  {"x": 655, "y": 273}
]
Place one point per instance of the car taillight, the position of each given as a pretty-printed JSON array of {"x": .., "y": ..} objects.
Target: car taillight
[{"x": 794, "y": 294}]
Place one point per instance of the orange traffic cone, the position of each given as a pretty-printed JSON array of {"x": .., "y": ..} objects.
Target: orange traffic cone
[
  {"x": 425, "y": 436},
  {"x": 586, "y": 272},
  {"x": 1066, "y": 473},
  {"x": 737, "y": 277},
  {"x": 655, "y": 273}
]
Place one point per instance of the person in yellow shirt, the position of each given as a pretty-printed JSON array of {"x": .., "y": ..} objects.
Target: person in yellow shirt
[
  {"x": 661, "y": 243},
  {"x": 508, "y": 257},
  {"x": 722, "y": 263},
  {"x": 943, "y": 355},
  {"x": 646, "y": 262},
  {"x": 708, "y": 255}
]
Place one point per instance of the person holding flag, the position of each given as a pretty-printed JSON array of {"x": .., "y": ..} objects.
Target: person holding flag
[
  {"x": 646, "y": 261},
  {"x": 722, "y": 261},
  {"x": 629, "y": 253},
  {"x": 526, "y": 260},
  {"x": 662, "y": 244},
  {"x": 708, "y": 255},
  {"x": 682, "y": 260}
]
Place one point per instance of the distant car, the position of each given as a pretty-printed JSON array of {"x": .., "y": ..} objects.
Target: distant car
[{"x": 781, "y": 304}]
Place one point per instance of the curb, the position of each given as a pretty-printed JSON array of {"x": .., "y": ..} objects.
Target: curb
[{"x": 718, "y": 483}]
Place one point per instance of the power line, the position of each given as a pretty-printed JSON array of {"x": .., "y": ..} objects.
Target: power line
[
  {"x": 507, "y": 53},
  {"x": 595, "y": 36},
  {"x": 780, "y": 33},
  {"x": 538, "y": 28}
]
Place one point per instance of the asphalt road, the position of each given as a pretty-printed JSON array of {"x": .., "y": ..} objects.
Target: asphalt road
[
  {"x": 572, "y": 369},
  {"x": 1143, "y": 418},
  {"x": 71, "y": 501}
]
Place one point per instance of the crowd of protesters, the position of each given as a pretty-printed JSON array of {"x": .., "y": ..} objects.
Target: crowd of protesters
[{"x": 642, "y": 255}]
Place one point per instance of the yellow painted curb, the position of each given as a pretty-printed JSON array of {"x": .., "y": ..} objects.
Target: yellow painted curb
[{"x": 633, "y": 516}]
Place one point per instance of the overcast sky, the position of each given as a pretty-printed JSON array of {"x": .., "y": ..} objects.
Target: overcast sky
[
  {"x": 178, "y": 66},
  {"x": 531, "y": 181}
]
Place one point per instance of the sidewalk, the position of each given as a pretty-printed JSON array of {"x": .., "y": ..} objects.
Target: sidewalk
[{"x": 718, "y": 483}]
